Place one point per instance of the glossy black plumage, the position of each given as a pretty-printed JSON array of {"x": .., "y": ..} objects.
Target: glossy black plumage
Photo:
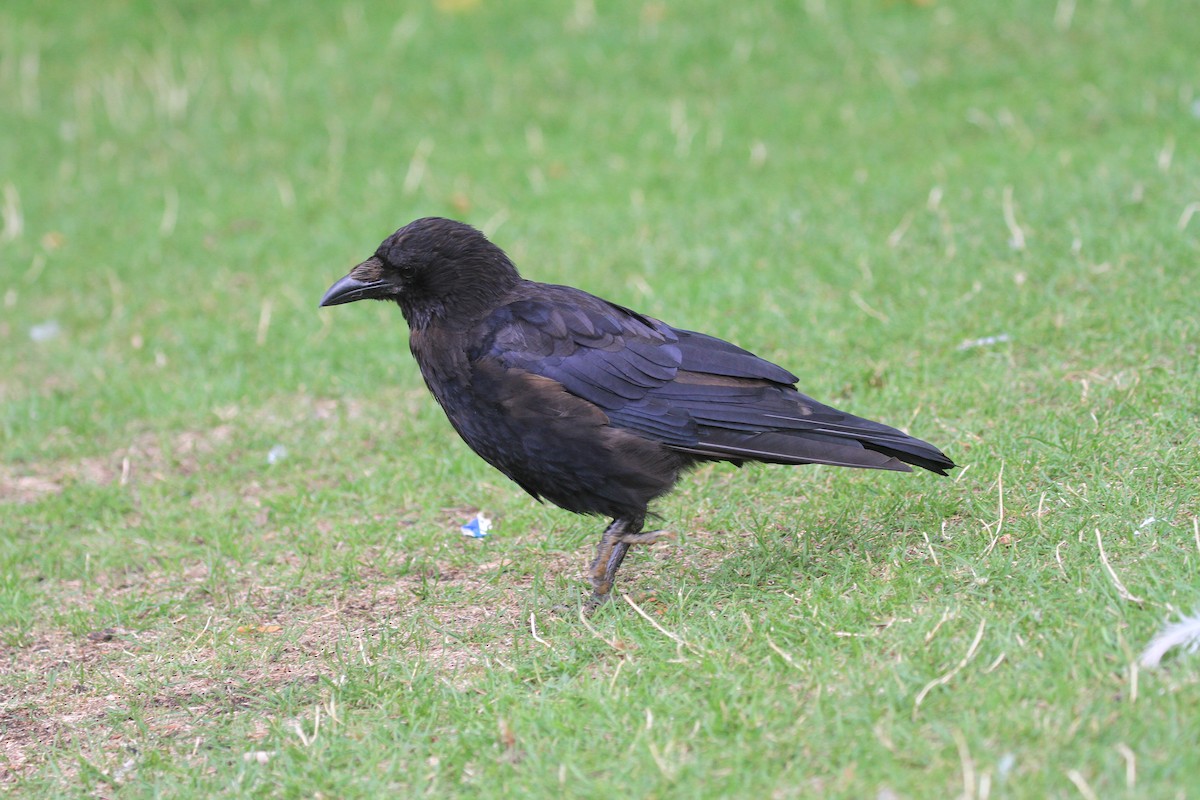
[{"x": 588, "y": 404}]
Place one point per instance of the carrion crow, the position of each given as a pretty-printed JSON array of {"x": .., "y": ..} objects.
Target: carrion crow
[{"x": 587, "y": 404}]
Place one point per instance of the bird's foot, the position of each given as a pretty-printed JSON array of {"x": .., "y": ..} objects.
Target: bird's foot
[
  {"x": 601, "y": 591},
  {"x": 604, "y": 570},
  {"x": 594, "y": 602},
  {"x": 610, "y": 552}
]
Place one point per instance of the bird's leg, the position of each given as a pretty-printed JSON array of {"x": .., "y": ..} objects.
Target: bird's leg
[
  {"x": 614, "y": 544},
  {"x": 615, "y": 557},
  {"x": 606, "y": 554}
]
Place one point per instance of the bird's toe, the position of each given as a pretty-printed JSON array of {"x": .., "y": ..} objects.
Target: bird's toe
[{"x": 646, "y": 537}]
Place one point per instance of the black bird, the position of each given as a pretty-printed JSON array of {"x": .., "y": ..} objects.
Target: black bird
[{"x": 588, "y": 404}]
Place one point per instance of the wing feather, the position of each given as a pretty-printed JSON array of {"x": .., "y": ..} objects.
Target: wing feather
[{"x": 692, "y": 392}]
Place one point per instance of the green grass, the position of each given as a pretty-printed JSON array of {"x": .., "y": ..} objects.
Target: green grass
[{"x": 851, "y": 189}]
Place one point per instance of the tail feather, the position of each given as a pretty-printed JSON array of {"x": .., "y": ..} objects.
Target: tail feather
[{"x": 867, "y": 450}]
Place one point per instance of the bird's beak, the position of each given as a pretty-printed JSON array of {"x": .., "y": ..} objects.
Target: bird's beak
[{"x": 364, "y": 282}]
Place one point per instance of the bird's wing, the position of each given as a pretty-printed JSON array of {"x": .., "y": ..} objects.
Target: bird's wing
[
  {"x": 606, "y": 354},
  {"x": 692, "y": 392}
]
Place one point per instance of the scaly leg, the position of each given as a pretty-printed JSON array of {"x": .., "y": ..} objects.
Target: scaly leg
[
  {"x": 606, "y": 552},
  {"x": 610, "y": 552}
]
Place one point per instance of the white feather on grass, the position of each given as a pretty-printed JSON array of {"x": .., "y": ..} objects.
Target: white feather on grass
[{"x": 1184, "y": 634}]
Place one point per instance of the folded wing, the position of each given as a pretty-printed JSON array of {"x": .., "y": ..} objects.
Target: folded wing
[{"x": 694, "y": 393}]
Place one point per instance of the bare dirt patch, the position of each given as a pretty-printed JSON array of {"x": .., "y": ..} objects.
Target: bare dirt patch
[
  {"x": 104, "y": 693},
  {"x": 25, "y": 488},
  {"x": 149, "y": 457},
  {"x": 108, "y": 695},
  {"x": 152, "y": 457}
]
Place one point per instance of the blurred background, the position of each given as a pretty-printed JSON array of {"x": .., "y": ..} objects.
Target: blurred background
[{"x": 180, "y": 182}]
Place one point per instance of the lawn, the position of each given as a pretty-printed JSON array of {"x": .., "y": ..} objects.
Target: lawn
[{"x": 230, "y": 556}]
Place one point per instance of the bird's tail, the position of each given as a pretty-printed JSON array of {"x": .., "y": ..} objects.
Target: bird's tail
[{"x": 823, "y": 436}]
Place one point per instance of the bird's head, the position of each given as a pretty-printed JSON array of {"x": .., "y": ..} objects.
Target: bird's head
[{"x": 433, "y": 268}]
